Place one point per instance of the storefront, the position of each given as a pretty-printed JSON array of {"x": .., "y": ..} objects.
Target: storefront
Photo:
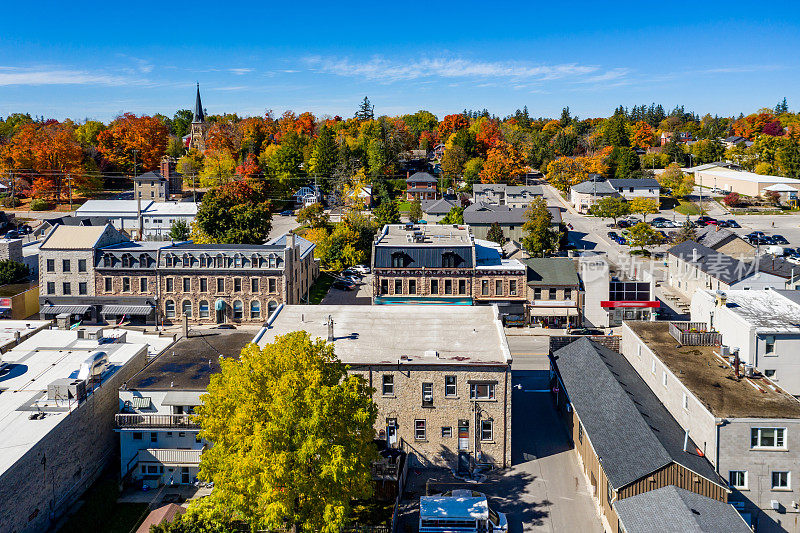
[
  {"x": 554, "y": 317},
  {"x": 619, "y": 310}
]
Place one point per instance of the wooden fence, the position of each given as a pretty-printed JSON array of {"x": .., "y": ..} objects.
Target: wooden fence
[{"x": 694, "y": 334}]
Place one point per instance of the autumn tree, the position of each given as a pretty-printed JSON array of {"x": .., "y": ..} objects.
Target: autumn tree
[
  {"x": 644, "y": 206},
  {"x": 612, "y": 207},
  {"x": 673, "y": 178},
  {"x": 348, "y": 243},
  {"x": 643, "y": 236},
  {"x": 415, "y": 211},
  {"x": 143, "y": 138},
  {"x": 235, "y": 213},
  {"x": 642, "y": 135},
  {"x": 732, "y": 199},
  {"x": 773, "y": 197},
  {"x": 451, "y": 124},
  {"x": 219, "y": 167},
  {"x": 539, "y": 236},
  {"x": 564, "y": 172},
  {"x": 472, "y": 170},
  {"x": 504, "y": 163},
  {"x": 190, "y": 165},
  {"x": 453, "y": 162},
  {"x": 314, "y": 216},
  {"x": 271, "y": 413}
]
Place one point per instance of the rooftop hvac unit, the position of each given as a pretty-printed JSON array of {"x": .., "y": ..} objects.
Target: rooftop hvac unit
[
  {"x": 94, "y": 366},
  {"x": 67, "y": 389},
  {"x": 94, "y": 334},
  {"x": 724, "y": 351},
  {"x": 748, "y": 371}
]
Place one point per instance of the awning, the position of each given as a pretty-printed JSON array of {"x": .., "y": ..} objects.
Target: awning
[
  {"x": 69, "y": 309},
  {"x": 170, "y": 456},
  {"x": 182, "y": 398},
  {"x": 219, "y": 305},
  {"x": 139, "y": 310},
  {"x": 554, "y": 311}
]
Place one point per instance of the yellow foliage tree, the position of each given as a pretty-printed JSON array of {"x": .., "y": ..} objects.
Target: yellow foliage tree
[
  {"x": 564, "y": 172},
  {"x": 503, "y": 163}
]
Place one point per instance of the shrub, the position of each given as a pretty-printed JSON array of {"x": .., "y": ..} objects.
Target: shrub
[
  {"x": 11, "y": 201},
  {"x": 38, "y": 204},
  {"x": 733, "y": 199}
]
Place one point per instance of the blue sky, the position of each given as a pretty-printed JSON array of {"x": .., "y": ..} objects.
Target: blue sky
[{"x": 96, "y": 60}]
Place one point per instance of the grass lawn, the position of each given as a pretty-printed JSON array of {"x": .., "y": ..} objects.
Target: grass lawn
[
  {"x": 404, "y": 206},
  {"x": 101, "y": 512},
  {"x": 320, "y": 288},
  {"x": 687, "y": 208}
]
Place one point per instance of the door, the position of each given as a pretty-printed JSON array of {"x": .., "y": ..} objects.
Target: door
[
  {"x": 463, "y": 462},
  {"x": 391, "y": 431},
  {"x": 185, "y": 475},
  {"x": 219, "y": 309}
]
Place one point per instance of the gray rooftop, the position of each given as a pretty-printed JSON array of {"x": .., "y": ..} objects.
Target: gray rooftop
[
  {"x": 716, "y": 264},
  {"x": 594, "y": 187},
  {"x": 305, "y": 245},
  {"x": 769, "y": 311},
  {"x": 421, "y": 177},
  {"x": 630, "y": 430},
  {"x": 672, "y": 509},
  {"x": 550, "y": 271},
  {"x": 432, "y": 235},
  {"x": 483, "y": 213},
  {"x": 636, "y": 183},
  {"x": 438, "y": 207},
  {"x": 401, "y": 334},
  {"x": 713, "y": 236}
]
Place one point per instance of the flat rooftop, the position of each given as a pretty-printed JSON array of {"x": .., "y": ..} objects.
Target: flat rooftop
[
  {"x": 747, "y": 176},
  {"x": 432, "y": 235},
  {"x": 38, "y": 361},
  {"x": 712, "y": 381},
  {"x": 9, "y": 329},
  {"x": 769, "y": 311},
  {"x": 189, "y": 363},
  {"x": 387, "y": 334}
]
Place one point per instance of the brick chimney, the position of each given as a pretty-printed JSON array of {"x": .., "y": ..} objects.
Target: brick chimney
[{"x": 167, "y": 166}]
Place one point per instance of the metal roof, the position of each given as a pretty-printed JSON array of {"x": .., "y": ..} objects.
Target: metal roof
[
  {"x": 551, "y": 271},
  {"x": 594, "y": 187},
  {"x": 181, "y": 397},
  {"x": 636, "y": 183},
  {"x": 170, "y": 456},
  {"x": 69, "y": 309},
  {"x": 306, "y": 246},
  {"x": 137, "y": 310},
  {"x": 716, "y": 264},
  {"x": 421, "y": 177}
]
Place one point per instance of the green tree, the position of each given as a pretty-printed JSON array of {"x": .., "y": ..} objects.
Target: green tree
[
  {"x": 292, "y": 434},
  {"x": 643, "y": 236},
  {"x": 540, "y": 238},
  {"x": 613, "y": 207},
  {"x": 377, "y": 159},
  {"x": 179, "y": 231},
  {"x": 624, "y": 161},
  {"x": 674, "y": 179},
  {"x": 87, "y": 133},
  {"x": 415, "y": 212},
  {"x": 12, "y": 271},
  {"x": 218, "y": 167},
  {"x": 182, "y": 122},
  {"x": 472, "y": 171},
  {"x": 615, "y": 131},
  {"x": 788, "y": 159},
  {"x": 644, "y": 207},
  {"x": 236, "y": 213},
  {"x": 387, "y": 213},
  {"x": 366, "y": 111},
  {"x": 175, "y": 148},
  {"x": 685, "y": 233},
  {"x": 314, "y": 216},
  {"x": 325, "y": 155},
  {"x": 495, "y": 234},
  {"x": 454, "y": 216},
  {"x": 453, "y": 162}
]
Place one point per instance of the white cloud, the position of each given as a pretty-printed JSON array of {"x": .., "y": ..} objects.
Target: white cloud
[
  {"x": 240, "y": 71},
  {"x": 56, "y": 76}
]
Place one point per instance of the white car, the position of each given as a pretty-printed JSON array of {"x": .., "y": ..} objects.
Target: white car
[
  {"x": 361, "y": 269},
  {"x": 461, "y": 510}
]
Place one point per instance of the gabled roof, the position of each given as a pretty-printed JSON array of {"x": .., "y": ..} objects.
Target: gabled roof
[
  {"x": 421, "y": 176},
  {"x": 716, "y": 264},
  {"x": 629, "y": 428},
  {"x": 487, "y": 214},
  {"x": 672, "y": 509},
  {"x": 199, "y": 114},
  {"x": 73, "y": 237},
  {"x": 636, "y": 183},
  {"x": 781, "y": 187},
  {"x": 549, "y": 271},
  {"x": 150, "y": 176},
  {"x": 594, "y": 187},
  {"x": 713, "y": 236},
  {"x": 305, "y": 245},
  {"x": 438, "y": 207}
]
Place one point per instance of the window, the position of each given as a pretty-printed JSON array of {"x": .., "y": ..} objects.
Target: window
[
  {"x": 170, "y": 285},
  {"x": 653, "y": 366},
  {"x": 51, "y": 265},
  {"x": 255, "y": 309},
  {"x": 203, "y": 309},
  {"x": 220, "y": 284},
  {"x": 143, "y": 261},
  {"x": 107, "y": 284},
  {"x": 419, "y": 430},
  {"x": 664, "y": 378},
  {"x": 398, "y": 286},
  {"x": 769, "y": 344},
  {"x": 568, "y": 294},
  {"x": 434, "y": 286},
  {"x": 485, "y": 287},
  {"x": 137, "y": 435},
  {"x": 512, "y": 287},
  {"x": 552, "y": 294},
  {"x": 66, "y": 287},
  {"x": 126, "y": 261},
  {"x": 388, "y": 385},
  {"x": 462, "y": 286},
  {"x": 203, "y": 284},
  {"x": 427, "y": 394},
  {"x": 271, "y": 306},
  {"x": 51, "y": 287},
  {"x": 450, "y": 386},
  {"x": 448, "y": 286},
  {"x": 153, "y": 437},
  {"x": 384, "y": 286},
  {"x": 82, "y": 287},
  {"x": 685, "y": 401},
  {"x": 412, "y": 286},
  {"x": 238, "y": 309},
  {"x": 768, "y": 438},
  {"x": 738, "y": 479},
  {"x": 126, "y": 284},
  {"x": 273, "y": 285},
  {"x": 397, "y": 260},
  {"x": 770, "y": 373},
  {"x": 537, "y": 294},
  {"x": 187, "y": 285},
  {"x": 254, "y": 285},
  {"x": 481, "y": 391},
  {"x": 65, "y": 265},
  {"x": 81, "y": 265},
  {"x": 487, "y": 430},
  {"x": 780, "y": 480},
  {"x": 169, "y": 309},
  {"x": 580, "y": 433},
  {"x": 186, "y": 308},
  {"x": 498, "y": 287},
  {"x": 107, "y": 260},
  {"x": 448, "y": 260},
  {"x": 447, "y": 432},
  {"x": 237, "y": 284},
  {"x": 609, "y": 493}
]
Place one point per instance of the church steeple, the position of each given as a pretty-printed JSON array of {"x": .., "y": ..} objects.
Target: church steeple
[{"x": 199, "y": 115}]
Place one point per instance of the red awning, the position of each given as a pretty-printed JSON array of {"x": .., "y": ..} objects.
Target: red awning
[{"x": 629, "y": 303}]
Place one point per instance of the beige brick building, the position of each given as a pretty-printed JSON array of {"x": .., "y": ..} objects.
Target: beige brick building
[{"x": 441, "y": 375}]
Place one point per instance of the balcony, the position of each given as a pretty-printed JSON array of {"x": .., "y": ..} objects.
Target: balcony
[{"x": 125, "y": 420}]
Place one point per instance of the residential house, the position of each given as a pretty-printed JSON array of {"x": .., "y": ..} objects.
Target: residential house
[
  {"x": 554, "y": 297},
  {"x": 607, "y": 300},
  {"x": 421, "y": 186},
  {"x": 637, "y": 188},
  {"x": 480, "y": 217},
  {"x": 307, "y": 195},
  {"x": 586, "y": 194},
  {"x": 156, "y": 217},
  {"x": 435, "y": 210},
  {"x": 748, "y": 429},
  {"x": 692, "y": 266},
  {"x": 443, "y": 393},
  {"x": 159, "y": 186},
  {"x": 438, "y": 152},
  {"x": 627, "y": 442},
  {"x": 502, "y": 194},
  {"x": 725, "y": 241}
]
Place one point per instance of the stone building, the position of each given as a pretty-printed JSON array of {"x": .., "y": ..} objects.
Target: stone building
[
  {"x": 97, "y": 275},
  {"x": 159, "y": 186},
  {"x": 441, "y": 374}
]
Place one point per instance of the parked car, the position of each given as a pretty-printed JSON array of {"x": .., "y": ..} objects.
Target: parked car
[
  {"x": 13, "y": 234},
  {"x": 342, "y": 285},
  {"x": 706, "y": 220},
  {"x": 733, "y": 224},
  {"x": 613, "y": 235},
  {"x": 585, "y": 331},
  {"x": 779, "y": 239},
  {"x": 286, "y": 213},
  {"x": 361, "y": 269},
  {"x": 25, "y": 229}
]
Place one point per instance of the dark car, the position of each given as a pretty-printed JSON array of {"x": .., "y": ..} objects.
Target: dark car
[
  {"x": 623, "y": 224},
  {"x": 25, "y": 229},
  {"x": 779, "y": 239},
  {"x": 613, "y": 235},
  {"x": 586, "y": 331},
  {"x": 722, "y": 223},
  {"x": 13, "y": 234},
  {"x": 342, "y": 285},
  {"x": 732, "y": 224},
  {"x": 286, "y": 213}
]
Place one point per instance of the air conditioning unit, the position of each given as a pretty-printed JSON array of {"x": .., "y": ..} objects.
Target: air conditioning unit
[
  {"x": 427, "y": 397},
  {"x": 775, "y": 504},
  {"x": 67, "y": 389}
]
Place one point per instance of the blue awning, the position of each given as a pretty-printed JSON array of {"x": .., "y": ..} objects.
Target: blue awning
[{"x": 219, "y": 305}]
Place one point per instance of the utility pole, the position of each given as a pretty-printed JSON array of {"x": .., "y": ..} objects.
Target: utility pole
[{"x": 69, "y": 188}]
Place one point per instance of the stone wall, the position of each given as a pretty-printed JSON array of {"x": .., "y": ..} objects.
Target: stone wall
[{"x": 11, "y": 249}]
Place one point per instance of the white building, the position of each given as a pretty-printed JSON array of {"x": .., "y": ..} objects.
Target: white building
[
  {"x": 608, "y": 301},
  {"x": 584, "y": 195},
  {"x": 764, "y": 326},
  {"x": 157, "y": 217},
  {"x": 747, "y": 183},
  {"x": 636, "y": 188}
]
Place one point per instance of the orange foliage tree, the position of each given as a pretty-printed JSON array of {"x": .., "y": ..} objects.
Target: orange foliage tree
[
  {"x": 451, "y": 124},
  {"x": 487, "y": 134},
  {"x": 642, "y": 135},
  {"x": 503, "y": 163},
  {"x": 147, "y": 135}
]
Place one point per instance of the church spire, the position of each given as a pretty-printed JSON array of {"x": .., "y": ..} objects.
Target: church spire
[{"x": 199, "y": 116}]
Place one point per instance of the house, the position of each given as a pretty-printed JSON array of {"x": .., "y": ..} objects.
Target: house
[
  {"x": 554, "y": 296},
  {"x": 626, "y": 440},
  {"x": 733, "y": 140},
  {"x": 421, "y": 186},
  {"x": 57, "y": 410},
  {"x": 158, "y": 437},
  {"x": 435, "y": 210},
  {"x": 442, "y": 264},
  {"x": 636, "y": 188},
  {"x": 740, "y": 181},
  {"x": 48, "y": 224},
  {"x": 746, "y": 428},
  {"x": 438, "y": 152},
  {"x": 443, "y": 393},
  {"x": 157, "y": 217},
  {"x": 307, "y": 195},
  {"x": 763, "y": 327},
  {"x": 607, "y": 300},
  {"x": 480, "y": 217},
  {"x": 585, "y": 194},
  {"x": 780, "y": 266},
  {"x": 692, "y": 266},
  {"x": 725, "y": 241},
  {"x": 159, "y": 186},
  {"x": 502, "y": 194},
  {"x": 786, "y": 192}
]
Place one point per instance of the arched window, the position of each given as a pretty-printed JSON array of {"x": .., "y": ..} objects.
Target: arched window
[
  {"x": 398, "y": 260},
  {"x": 255, "y": 309},
  {"x": 126, "y": 260},
  {"x": 272, "y": 261},
  {"x": 449, "y": 260},
  {"x": 203, "y": 261},
  {"x": 144, "y": 261},
  {"x": 169, "y": 260},
  {"x": 107, "y": 260},
  {"x": 237, "y": 260},
  {"x": 186, "y": 308},
  {"x": 187, "y": 260},
  {"x": 169, "y": 309},
  {"x": 254, "y": 262},
  {"x": 203, "y": 309},
  {"x": 238, "y": 309},
  {"x": 271, "y": 306},
  {"x": 220, "y": 261}
]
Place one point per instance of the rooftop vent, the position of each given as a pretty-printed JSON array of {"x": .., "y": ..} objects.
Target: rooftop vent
[
  {"x": 67, "y": 389},
  {"x": 431, "y": 353}
]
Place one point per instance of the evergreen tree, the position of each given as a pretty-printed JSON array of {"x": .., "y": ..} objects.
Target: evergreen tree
[
  {"x": 366, "y": 111},
  {"x": 325, "y": 156},
  {"x": 387, "y": 213},
  {"x": 495, "y": 234},
  {"x": 782, "y": 107},
  {"x": 415, "y": 213}
]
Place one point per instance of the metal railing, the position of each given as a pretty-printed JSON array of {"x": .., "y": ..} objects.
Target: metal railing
[{"x": 124, "y": 420}]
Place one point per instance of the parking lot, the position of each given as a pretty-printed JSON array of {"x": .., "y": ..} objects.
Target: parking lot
[{"x": 361, "y": 295}]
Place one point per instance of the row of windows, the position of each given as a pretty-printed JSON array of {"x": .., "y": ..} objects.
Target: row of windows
[
  {"x": 66, "y": 288},
  {"x": 781, "y": 480},
  {"x": 186, "y": 285},
  {"x": 66, "y": 265},
  {"x": 223, "y": 261},
  {"x": 204, "y": 309},
  {"x": 498, "y": 287},
  {"x": 477, "y": 390},
  {"x": 421, "y": 430},
  {"x": 450, "y": 286},
  {"x": 552, "y": 294}
]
